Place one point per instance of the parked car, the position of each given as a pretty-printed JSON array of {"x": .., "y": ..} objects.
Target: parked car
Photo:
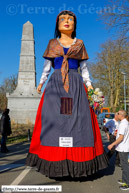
[{"x": 103, "y": 118}]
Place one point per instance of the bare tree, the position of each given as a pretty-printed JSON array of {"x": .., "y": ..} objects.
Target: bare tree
[
  {"x": 9, "y": 85},
  {"x": 117, "y": 15},
  {"x": 111, "y": 61}
]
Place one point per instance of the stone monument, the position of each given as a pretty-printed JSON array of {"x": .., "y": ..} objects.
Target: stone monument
[{"x": 23, "y": 102}]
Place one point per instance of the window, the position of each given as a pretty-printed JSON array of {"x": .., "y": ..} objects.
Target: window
[{"x": 109, "y": 116}]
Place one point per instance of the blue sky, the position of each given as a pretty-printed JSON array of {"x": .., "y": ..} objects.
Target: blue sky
[{"x": 42, "y": 14}]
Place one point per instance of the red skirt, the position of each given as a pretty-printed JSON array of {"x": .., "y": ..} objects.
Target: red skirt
[{"x": 66, "y": 161}]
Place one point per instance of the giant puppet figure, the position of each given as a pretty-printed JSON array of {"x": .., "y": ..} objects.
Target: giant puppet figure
[{"x": 66, "y": 140}]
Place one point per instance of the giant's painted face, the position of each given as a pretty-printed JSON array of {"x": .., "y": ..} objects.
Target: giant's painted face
[{"x": 66, "y": 23}]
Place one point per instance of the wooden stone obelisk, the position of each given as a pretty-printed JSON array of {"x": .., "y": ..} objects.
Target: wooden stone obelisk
[{"x": 23, "y": 102}]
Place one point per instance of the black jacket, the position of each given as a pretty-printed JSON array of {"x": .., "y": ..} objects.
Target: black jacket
[{"x": 5, "y": 125}]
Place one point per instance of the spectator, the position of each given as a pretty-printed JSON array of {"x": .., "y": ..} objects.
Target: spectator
[
  {"x": 127, "y": 117},
  {"x": 110, "y": 129},
  {"x": 122, "y": 146},
  {"x": 5, "y": 130}
]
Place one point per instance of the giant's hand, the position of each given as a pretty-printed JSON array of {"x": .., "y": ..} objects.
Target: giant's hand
[
  {"x": 90, "y": 87},
  {"x": 39, "y": 88}
]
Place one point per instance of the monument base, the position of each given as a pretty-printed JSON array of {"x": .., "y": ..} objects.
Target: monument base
[{"x": 23, "y": 109}]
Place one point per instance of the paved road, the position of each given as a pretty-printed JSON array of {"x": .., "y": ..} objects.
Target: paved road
[{"x": 14, "y": 172}]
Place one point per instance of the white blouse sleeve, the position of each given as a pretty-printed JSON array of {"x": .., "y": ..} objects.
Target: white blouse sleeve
[
  {"x": 85, "y": 73},
  {"x": 46, "y": 71}
]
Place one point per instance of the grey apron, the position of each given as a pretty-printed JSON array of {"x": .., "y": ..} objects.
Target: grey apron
[{"x": 66, "y": 114}]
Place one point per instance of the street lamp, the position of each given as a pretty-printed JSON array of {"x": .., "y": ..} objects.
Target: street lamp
[{"x": 124, "y": 91}]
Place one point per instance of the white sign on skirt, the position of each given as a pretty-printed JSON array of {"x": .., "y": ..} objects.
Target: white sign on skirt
[{"x": 66, "y": 141}]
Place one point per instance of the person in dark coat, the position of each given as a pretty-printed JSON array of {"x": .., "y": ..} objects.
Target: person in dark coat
[{"x": 5, "y": 129}]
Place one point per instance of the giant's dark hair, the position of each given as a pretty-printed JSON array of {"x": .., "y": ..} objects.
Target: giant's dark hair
[{"x": 57, "y": 32}]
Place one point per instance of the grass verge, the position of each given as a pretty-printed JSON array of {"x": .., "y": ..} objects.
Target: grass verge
[{"x": 19, "y": 133}]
